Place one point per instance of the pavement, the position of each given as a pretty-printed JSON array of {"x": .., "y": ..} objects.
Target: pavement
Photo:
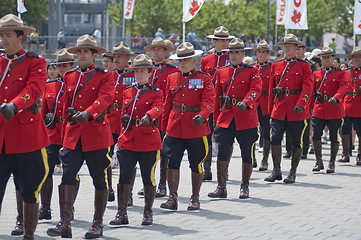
[{"x": 317, "y": 206}]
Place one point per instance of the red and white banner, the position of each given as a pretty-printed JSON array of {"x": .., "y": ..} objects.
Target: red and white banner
[
  {"x": 281, "y": 12},
  {"x": 128, "y": 9},
  {"x": 21, "y": 6},
  {"x": 191, "y": 8},
  {"x": 357, "y": 18},
  {"x": 296, "y": 17}
]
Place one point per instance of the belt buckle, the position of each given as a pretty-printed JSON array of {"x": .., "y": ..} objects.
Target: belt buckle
[
  {"x": 116, "y": 106},
  {"x": 183, "y": 107},
  {"x": 325, "y": 97},
  {"x": 234, "y": 101},
  {"x": 61, "y": 119},
  {"x": 137, "y": 122},
  {"x": 354, "y": 93},
  {"x": 287, "y": 92}
]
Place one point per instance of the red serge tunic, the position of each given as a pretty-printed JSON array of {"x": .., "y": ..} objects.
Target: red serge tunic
[
  {"x": 142, "y": 138},
  {"x": 247, "y": 86},
  {"x": 333, "y": 84},
  {"x": 24, "y": 85},
  {"x": 353, "y": 102},
  {"x": 198, "y": 92},
  {"x": 264, "y": 70},
  {"x": 214, "y": 60}
]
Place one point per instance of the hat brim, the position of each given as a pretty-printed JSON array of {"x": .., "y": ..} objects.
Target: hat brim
[
  {"x": 283, "y": 43},
  {"x": 196, "y": 53},
  {"x": 26, "y": 30},
  {"x": 353, "y": 54},
  {"x": 139, "y": 67},
  {"x": 119, "y": 53},
  {"x": 217, "y": 37},
  {"x": 60, "y": 62},
  {"x": 148, "y": 48},
  {"x": 257, "y": 48},
  {"x": 234, "y": 49},
  {"x": 73, "y": 50},
  {"x": 326, "y": 54}
]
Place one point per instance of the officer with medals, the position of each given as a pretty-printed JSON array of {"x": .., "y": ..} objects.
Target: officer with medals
[
  {"x": 352, "y": 106},
  {"x": 263, "y": 52},
  {"x": 159, "y": 50},
  {"x": 209, "y": 64},
  {"x": 189, "y": 102},
  {"x": 330, "y": 87},
  {"x": 22, "y": 82},
  {"x": 86, "y": 134},
  {"x": 290, "y": 88},
  {"x": 139, "y": 139},
  {"x": 122, "y": 78},
  {"x": 238, "y": 87}
]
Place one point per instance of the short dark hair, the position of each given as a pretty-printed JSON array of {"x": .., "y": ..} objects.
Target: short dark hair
[
  {"x": 93, "y": 50},
  {"x": 51, "y": 65},
  {"x": 19, "y": 33},
  {"x": 110, "y": 57}
]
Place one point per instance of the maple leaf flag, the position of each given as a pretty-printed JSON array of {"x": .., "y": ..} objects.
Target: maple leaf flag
[
  {"x": 21, "y": 7},
  {"x": 357, "y": 18},
  {"x": 296, "y": 14},
  {"x": 281, "y": 12},
  {"x": 128, "y": 9},
  {"x": 191, "y": 8}
]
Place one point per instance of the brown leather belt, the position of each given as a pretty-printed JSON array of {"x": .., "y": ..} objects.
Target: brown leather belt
[
  {"x": 234, "y": 101},
  {"x": 354, "y": 93},
  {"x": 327, "y": 97},
  {"x": 116, "y": 106},
  {"x": 264, "y": 93},
  {"x": 290, "y": 92},
  {"x": 185, "y": 108},
  {"x": 59, "y": 119}
]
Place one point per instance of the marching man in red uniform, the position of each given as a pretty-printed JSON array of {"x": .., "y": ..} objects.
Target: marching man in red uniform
[
  {"x": 139, "y": 140},
  {"x": 352, "y": 106},
  {"x": 290, "y": 90},
  {"x": 330, "y": 88},
  {"x": 159, "y": 50},
  {"x": 263, "y": 52},
  {"x": 122, "y": 78},
  {"x": 86, "y": 134},
  {"x": 22, "y": 150},
  {"x": 238, "y": 87},
  {"x": 209, "y": 64},
  {"x": 189, "y": 102}
]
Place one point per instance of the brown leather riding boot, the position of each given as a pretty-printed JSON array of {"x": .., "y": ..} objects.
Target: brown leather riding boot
[
  {"x": 31, "y": 217},
  {"x": 173, "y": 182},
  {"x": 345, "y": 148},
  {"x": 276, "y": 157},
  {"x": 76, "y": 190},
  {"x": 100, "y": 203},
  {"x": 254, "y": 157},
  {"x": 266, "y": 150},
  {"x": 197, "y": 179},
  {"x": 334, "y": 150},
  {"x": 317, "y": 145},
  {"x": 66, "y": 199},
  {"x": 296, "y": 157},
  {"x": 111, "y": 197},
  {"x": 45, "y": 194},
  {"x": 19, "y": 228},
  {"x": 162, "y": 186},
  {"x": 358, "y": 157},
  {"x": 149, "y": 192},
  {"x": 132, "y": 180},
  {"x": 123, "y": 194},
  {"x": 221, "y": 190},
  {"x": 247, "y": 169}
]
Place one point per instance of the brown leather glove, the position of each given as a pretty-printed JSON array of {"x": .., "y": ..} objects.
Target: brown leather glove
[
  {"x": 145, "y": 121},
  {"x": 298, "y": 109},
  {"x": 333, "y": 101},
  {"x": 198, "y": 120},
  {"x": 242, "y": 106},
  {"x": 81, "y": 117}
]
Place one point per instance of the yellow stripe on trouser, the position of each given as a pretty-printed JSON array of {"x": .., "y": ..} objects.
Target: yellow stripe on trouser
[
  {"x": 105, "y": 170},
  {"x": 205, "y": 142},
  {"x": 46, "y": 166},
  {"x": 152, "y": 179},
  {"x": 253, "y": 146},
  {"x": 338, "y": 131},
  {"x": 303, "y": 132},
  {"x": 270, "y": 134}
]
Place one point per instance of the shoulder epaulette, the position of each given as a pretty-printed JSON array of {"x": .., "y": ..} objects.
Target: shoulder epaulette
[
  {"x": 33, "y": 54},
  {"x": 207, "y": 54},
  {"x": 225, "y": 66},
  {"x": 204, "y": 73},
  {"x": 170, "y": 65},
  {"x": 100, "y": 69},
  {"x": 247, "y": 65},
  {"x": 277, "y": 60},
  {"x": 173, "y": 72},
  {"x": 303, "y": 60},
  {"x": 70, "y": 71},
  {"x": 155, "y": 88},
  {"x": 112, "y": 70},
  {"x": 130, "y": 86},
  {"x": 51, "y": 80}
]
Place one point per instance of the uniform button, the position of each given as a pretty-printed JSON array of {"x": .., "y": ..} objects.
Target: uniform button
[
  {"x": 81, "y": 107},
  {"x": 39, "y": 70},
  {"x": 6, "y": 87},
  {"x": 242, "y": 82},
  {"x": 153, "y": 130},
  {"x": 232, "y": 86},
  {"x": 5, "y": 100},
  {"x": 20, "y": 79},
  {"x": 58, "y": 101},
  {"x": 146, "y": 103},
  {"x": 8, "y": 75},
  {"x": 31, "y": 119},
  {"x": 232, "y": 95},
  {"x": 116, "y": 100},
  {"x": 182, "y": 113},
  {"x": 136, "y": 116},
  {"x": 286, "y": 79},
  {"x": 59, "y": 110},
  {"x": 183, "y": 94},
  {"x": 324, "y": 91},
  {"x": 103, "y": 122},
  {"x": 48, "y": 95},
  {"x": 116, "y": 92},
  {"x": 135, "y": 107},
  {"x": 324, "y": 84},
  {"x": 79, "y": 95},
  {"x": 93, "y": 88}
]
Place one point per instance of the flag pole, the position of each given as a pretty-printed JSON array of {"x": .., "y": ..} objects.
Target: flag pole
[
  {"x": 275, "y": 35},
  {"x": 184, "y": 31}
]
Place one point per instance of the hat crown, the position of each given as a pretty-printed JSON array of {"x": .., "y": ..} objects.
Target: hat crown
[
  {"x": 10, "y": 20},
  {"x": 236, "y": 43},
  {"x": 158, "y": 41},
  {"x": 263, "y": 44},
  {"x": 142, "y": 60},
  {"x": 290, "y": 38},
  {"x": 221, "y": 32},
  {"x": 169, "y": 43},
  {"x": 185, "y": 49},
  {"x": 327, "y": 50},
  {"x": 63, "y": 55},
  {"x": 356, "y": 51},
  {"x": 86, "y": 40},
  {"x": 121, "y": 48}
]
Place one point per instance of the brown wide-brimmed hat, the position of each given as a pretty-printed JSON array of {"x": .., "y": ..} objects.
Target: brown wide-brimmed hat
[
  {"x": 263, "y": 45},
  {"x": 235, "y": 44},
  {"x": 63, "y": 56},
  {"x": 185, "y": 50},
  {"x": 355, "y": 52},
  {"x": 301, "y": 44},
  {"x": 86, "y": 41},
  {"x": 157, "y": 42},
  {"x": 326, "y": 51},
  {"x": 142, "y": 61},
  {"x": 290, "y": 38},
  {"x": 220, "y": 33},
  {"x": 12, "y": 22},
  {"x": 169, "y": 44},
  {"x": 121, "y": 48}
]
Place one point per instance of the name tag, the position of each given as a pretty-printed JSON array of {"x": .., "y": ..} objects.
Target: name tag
[
  {"x": 195, "y": 83},
  {"x": 228, "y": 62},
  {"x": 128, "y": 81}
]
